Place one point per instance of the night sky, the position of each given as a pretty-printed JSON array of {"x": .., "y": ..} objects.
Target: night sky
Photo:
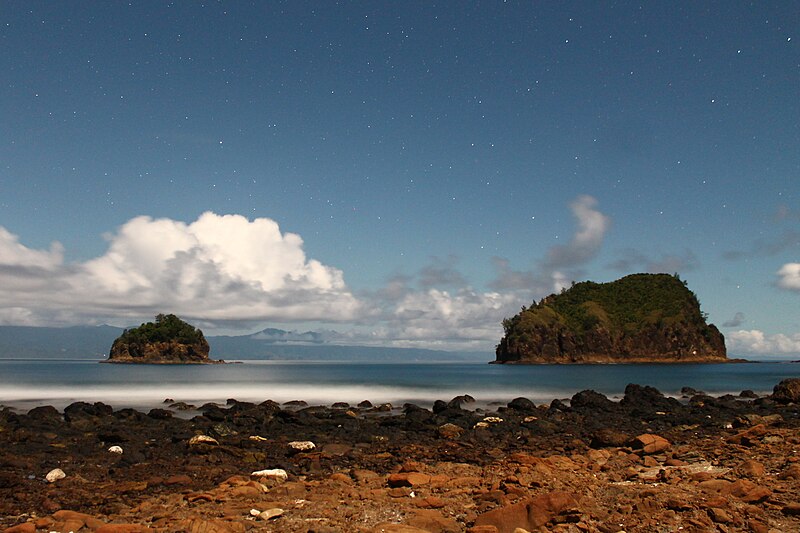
[{"x": 403, "y": 174}]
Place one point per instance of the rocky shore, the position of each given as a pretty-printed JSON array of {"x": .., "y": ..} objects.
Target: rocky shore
[{"x": 646, "y": 463}]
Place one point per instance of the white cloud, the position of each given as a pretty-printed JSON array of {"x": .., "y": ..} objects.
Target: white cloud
[
  {"x": 14, "y": 254},
  {"x": 789, "y": 276},
  {"x": 592, "y": 228},
  {"x": 466, "y": 319},
  {"x": 562, "y": 263},
  {"x": 216, "y": 268},
  {"x": 756, "y": 342}
]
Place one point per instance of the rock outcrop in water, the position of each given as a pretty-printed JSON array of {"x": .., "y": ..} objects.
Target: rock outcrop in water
[
  {"x": 641, "y": 318},
  {"x": 168, "y": 340}
]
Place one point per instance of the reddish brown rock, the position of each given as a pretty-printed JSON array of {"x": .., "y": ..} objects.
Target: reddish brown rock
[
  {"x": 27, "y": 527},
  {"x": 749, "y": 492},
  {"x": 721, "y": 516},
  {"x": 434, "y": 522},
  {"x": 716, "y": 486},
  {"x": 557, "y": 507},
  {"x": 123, "y": 528},
  {"x": 751, "y": 468},
  {"x": 650, "y": 444},
  {"x": 749, "y": 437},
  {"x": 397, "y": 528},
  {"x": 180, "y": 479},
  {"x": 790, "y": 472},
  {"x": 408, "y": 479},
  {"x": 792, "y": 509}
]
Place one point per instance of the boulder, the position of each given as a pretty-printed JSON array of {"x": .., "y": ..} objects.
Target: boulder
[
  {"x": 591, "y": 400},
  {"x": 787, "y": 391},
  {"x": 533, "y": 513},
  {"x": 521, "y": 404}
]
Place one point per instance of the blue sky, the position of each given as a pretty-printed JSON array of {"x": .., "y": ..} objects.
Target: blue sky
[{"x": 402, "y": 173}]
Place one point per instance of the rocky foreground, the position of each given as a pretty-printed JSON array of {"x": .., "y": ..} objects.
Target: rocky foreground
[{"x": 646, "y": 463}]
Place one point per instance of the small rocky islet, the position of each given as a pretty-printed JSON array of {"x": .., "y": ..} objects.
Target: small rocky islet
[
  {"x": 644, "y": 463},
  {"x": 167, "y": 340}
]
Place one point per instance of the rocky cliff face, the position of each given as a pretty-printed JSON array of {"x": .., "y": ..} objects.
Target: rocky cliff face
[
  {"x": 160, "y": 352},
  {"x": 642, "y": 318},
  {"x": 167, "y": 340}
]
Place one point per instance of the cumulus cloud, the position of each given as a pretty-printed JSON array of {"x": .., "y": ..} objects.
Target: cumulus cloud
[
  {"x": 216, "y": 268},
  {"x": 465, "y": 319},
  {"x": 789, "y": 277},
  {"x": 755, "y": 342},
  {"x": 17, "y": 257},
  {"x": 737, "y": 320}
]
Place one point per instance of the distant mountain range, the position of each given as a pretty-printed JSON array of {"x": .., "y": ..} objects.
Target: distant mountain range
[{"x": 94, "y": 342}]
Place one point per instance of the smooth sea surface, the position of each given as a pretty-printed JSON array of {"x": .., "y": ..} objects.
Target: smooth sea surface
[{"x": 29, "y": 383}]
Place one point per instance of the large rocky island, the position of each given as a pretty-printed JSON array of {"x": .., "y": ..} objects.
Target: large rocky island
[
  {"x": 168, "y": 340},
  {"x": 641, "y": 318}
]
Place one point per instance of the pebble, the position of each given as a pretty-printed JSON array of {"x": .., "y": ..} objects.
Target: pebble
[
  {"x": 115, "y": 449},
  {"x": 269, "y": 514},
  {"x": 302, "y": 445},
  {"x": 203, "y": 439},
  {"x": 273, "y": 473},
  {"x": 54, "y": 475}
]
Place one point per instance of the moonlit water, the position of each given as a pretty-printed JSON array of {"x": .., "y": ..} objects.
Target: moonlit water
[{"x": 28, "y": 383}]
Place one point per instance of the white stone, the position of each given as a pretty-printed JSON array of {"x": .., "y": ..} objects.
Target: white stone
[
  {"x": 270, "y": 513},
  {"x": 54, "y": 475},
  {"x": 254, "y": 512},
  {"x": 493, "y": 419},
  {"x": 115, "y": 449},
  {"x": 274, "y": 473},
  {"x": 302, "y": 445},
  {"x": 202, "y": 439}
]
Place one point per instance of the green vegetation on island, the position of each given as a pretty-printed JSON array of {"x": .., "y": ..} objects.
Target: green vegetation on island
[
  {"x": 639, "y": 318},
  {"x": 167, "y": 340}
]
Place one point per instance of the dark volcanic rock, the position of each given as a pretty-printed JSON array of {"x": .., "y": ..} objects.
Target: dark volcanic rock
[
  {"x": 787, "y": 391},
  {"x": 590, "y": 399},
  {"x": 521, "y": 404},
  {"x": 646, "y": 397}
]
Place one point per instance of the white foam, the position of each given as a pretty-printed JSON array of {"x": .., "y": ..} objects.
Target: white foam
[{"x": 138, "y": 396}]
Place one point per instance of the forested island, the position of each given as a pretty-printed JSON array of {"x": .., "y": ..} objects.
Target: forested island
[
  {"x": 641, "y": 318},
  {"x": 168, "y": 340}
]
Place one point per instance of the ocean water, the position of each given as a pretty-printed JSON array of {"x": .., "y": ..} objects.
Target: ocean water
[{"x": 28, "y": 383}]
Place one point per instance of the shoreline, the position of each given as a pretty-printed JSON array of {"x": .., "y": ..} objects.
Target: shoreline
[{"x": 591, "y": 464}]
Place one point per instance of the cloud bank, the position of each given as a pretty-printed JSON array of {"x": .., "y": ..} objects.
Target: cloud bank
[
  {"x": 224, "y": 268},
  {"x": 225, "y": 271},
  {"x": 755, "y": 342},
  {"x": 229, "y": 272}
]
